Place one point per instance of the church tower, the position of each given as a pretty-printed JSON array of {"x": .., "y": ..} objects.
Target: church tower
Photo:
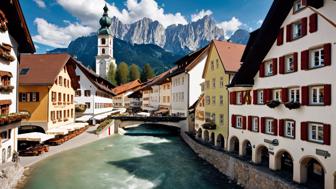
[{"x": 104, "y": 56}]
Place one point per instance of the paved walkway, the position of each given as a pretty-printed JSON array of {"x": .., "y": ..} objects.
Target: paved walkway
[{"x": 87, "y": 137}]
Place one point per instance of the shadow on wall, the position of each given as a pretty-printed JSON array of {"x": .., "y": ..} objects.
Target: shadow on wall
[{"x": 173, "y": 165}]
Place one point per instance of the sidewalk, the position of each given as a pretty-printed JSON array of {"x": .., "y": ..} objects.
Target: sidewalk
[{"x": 87, "y": 137}]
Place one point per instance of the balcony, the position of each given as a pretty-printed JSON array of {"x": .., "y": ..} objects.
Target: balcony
[
  {"x": 13, "y": 117},
  {"x": 6, "y": 89}
]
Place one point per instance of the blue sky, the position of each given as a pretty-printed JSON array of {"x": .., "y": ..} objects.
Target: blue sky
[{"x": 54, "y": 23}]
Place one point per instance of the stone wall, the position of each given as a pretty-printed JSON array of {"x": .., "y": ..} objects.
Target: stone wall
[
  {"x": 245, "y": 174},
  {"x": 10, "y": 174}
]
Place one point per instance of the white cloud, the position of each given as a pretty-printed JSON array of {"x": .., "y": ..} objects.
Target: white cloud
[
  {"x": 59, "y": 37},
  {"x": 230, "y": 26},
  {"x": 88, "y": 11},
  {"x": 40, "y": 3},
  {"x": 200, "y": 15},
  {"x": 259, "y": 22}
]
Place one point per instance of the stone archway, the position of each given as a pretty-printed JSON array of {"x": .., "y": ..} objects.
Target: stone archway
[
  {"x": 247, "y": 150},
  {"x": 234, "y": 145},
  {"x": 206, "y": 136},
  {"x": 312, "y": 172},
  {"x": 199, "y": 134},
  {"x": 262, "y": 155},
  {"x": 212, "y": 139},
  {"x": 284, "y": 163},
  {"x": 220, "y": 143}
]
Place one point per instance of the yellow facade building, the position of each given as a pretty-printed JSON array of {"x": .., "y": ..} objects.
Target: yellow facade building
[
  {"x": 47, "y": 85},
  {"x": 222, "y": 63}
]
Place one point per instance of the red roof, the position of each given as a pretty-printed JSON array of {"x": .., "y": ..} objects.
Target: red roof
[
  {"x": 126, "y": 87},
  {"x": 230, "y": 54}
]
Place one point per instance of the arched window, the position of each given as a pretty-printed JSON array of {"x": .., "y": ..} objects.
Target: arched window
[
  {"x": 103, "y": 41},
  {"x": 103, "y": 51}
]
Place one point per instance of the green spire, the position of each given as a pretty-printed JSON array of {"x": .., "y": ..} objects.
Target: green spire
[{"x": 105, "y": 23}]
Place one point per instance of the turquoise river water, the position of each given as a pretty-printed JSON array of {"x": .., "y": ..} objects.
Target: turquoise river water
[{"x": 139, "y": 161}]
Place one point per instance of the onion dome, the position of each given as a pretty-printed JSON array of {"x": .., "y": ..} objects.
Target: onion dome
[{"x": 105, "y": 23}]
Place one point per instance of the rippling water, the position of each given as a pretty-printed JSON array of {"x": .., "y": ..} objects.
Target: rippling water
[{"x": 128, "y": 162}]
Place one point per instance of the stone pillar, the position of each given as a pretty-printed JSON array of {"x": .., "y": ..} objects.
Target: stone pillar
[
  {"x": 299, "y": 173},
  {"x": 241, "y": 149},
  {"x": 329, "y": 179},
  {"x": 272, "y": 162},
  {"x": 254, "y": 155}
]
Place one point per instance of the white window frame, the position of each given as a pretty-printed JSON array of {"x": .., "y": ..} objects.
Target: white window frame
[
  {"x": 221, "y": 82},
  {"x": 289, "y": 128},
  {"x": 221, "y": 100},
  {"x": 221, "y": 119},
  {"x": 276, "y": 94},
  {"x": 296, "y": 30},
  {"x": 214, "y": 83},
  {"x": 255, "y": 124},
  {"x": 269, "y": 68},
  {"x": 239, "y": 122},
  {"x": 316, "y": 58},
  {"x": 239, "y": 97},
  {"x": 213, "y": 117},
  {"x": 260, "y": 96},
  {"x": 294, "y": 95},
  {"x": 289, "y": 64},
  {"x": 316, "y": 95},
  {"x": 314, "y": 132},
  {"x": 213, "y": 100},
  {"x": 269, "y": 126}
]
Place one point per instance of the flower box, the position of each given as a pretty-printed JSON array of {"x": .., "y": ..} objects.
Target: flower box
[
  {"x": 6, "y": 88},
  {"x": 292, "y": 105},
  {"x": 273, "y": 103}
]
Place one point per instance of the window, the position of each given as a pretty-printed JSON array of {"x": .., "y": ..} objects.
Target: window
[
  {"x": 317, "y": 95},
  {"x": 221, "y": 119},
  {"x": 35, "y": 96},
  {"x": 182, "y": 80},
  {"x": 217, "y": 63},
  {"x": 23, "y": 97},
  {"x": 87, "y": 104},
  {"x": 239, "y": 122},
  {"x": 9, "y": 152},
  {"x": 65, "y": 82},
  {"x": 239, "y": 98},
  {"x": 64, "y": 98},
  {"x": 277, "y": 95},
  {"x": 207, "y": 116},
  {"x": 24, "y": 71},
  {"x": 289, "y": 129},
  {"x": 294, "y": 95},
  {"x": 289, "y": 64},
  {"x": 207, "y": 100},
  {"x": 213, "y": 117},
  {"x": 53, "y": 96},
  {"x": 260, "y": 95},
  {"x": 269, "y": 129},
  {"x": 297, "y": 6},
  {"x": 221, "y": 82},
  {"x": 213, "y": 100},
  {"x": 207, "y": 84},
  {"x": 59, "y": 97},
  {"x": 317, "y": 58},
  {"x": 221, "y": 100},
  {"x": 213, "y": 83},
  {"x": 212, "y": 65},
  {"x": 87, "y": 93},
  {"x": 296, "y": 30},
  {"x": 103, "y": 41},
  {"x": 103, "y": 51},
  {"x": 269, "y": 68},
  {"x": 255, "y": 124},
  {"x": 316, "y": 132}
]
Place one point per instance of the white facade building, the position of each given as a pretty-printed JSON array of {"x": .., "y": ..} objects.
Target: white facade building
[
  {"x": 14, "y": 39},
  {"x": 282, "y": 110},
  {"x": 186, "y": 81},
  {"x": 154, "y": 97}
]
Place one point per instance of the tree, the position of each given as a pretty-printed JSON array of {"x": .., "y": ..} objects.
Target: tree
[
  {"x": 134, "y": 72},
  {"x": 111, "y": 75},
  {"x": 122, "y": 73},
  {"x": 147, "y": 73}
]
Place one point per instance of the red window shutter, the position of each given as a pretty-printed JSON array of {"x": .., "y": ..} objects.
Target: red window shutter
[
  {"x": 249, "y": 123},
  {"x": 282, "y": 65},
  {"x": 304, "y": 26},
  {"x": 326, "y": 134},
  {"x": 281, "y": 127},
  {"x": 295, "y": 61},
  {"x": 255, "y": 97},
  {"x": 244, "y": 122},
  {"x": 305, "y": 95},
  {"x": 262, "y": 125},
  {"x": 275, "y": 127},
  {"x": 304, "y": 60},
  {"x": 280, "y": 37},
  {"x": 294, "y": 132},
  {"x": 284, "y": 95},
  {"x": 304, "y": 131},
  {"x": 304, "y": 2},
  {"x": 289, "y": 33},
  {"x": 267, "y": 95},
  {"x": 233, "y": 120},
  {"x": 327, "y": 95},
  {"x": 327, "y": 54},
  {"x": 262, "y": 70},
  {"x": 313, "y": 23},
  {"x": 275, "y": 66},
  {"x": 233, "y": 97}
]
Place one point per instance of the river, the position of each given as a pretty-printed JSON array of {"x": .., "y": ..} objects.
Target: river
[{"x": 149, "y": 158}]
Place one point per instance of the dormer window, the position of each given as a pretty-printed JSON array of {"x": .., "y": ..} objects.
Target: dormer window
[
  {"x": 298, "y": 5},
  {"x": 297, "y": 30}
]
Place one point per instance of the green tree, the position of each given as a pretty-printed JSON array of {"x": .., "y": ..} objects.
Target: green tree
[
  {"x": 122, "y": 73},
  {"x": 134, "y": 72},
  {"x": 111, "y": 75},
  {"x": 147, "y": 73}
]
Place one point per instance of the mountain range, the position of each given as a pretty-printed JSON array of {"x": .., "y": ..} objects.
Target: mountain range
[{"x": 147, "y": 41}]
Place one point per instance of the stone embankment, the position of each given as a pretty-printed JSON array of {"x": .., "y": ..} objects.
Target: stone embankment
[
  {"x": 10, "y": 174},
  {"x": 245, "y": 174}
]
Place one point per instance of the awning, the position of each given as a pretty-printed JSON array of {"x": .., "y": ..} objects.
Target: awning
[
  {"x": 5, "y": 102},
  {"x": 143, "y": 114},
  {"x": 84, "y": 118},
  {"x": 35, "y": 136},
  {"x": 57, "y": 131},
  {"x": 4, "y": 73}
]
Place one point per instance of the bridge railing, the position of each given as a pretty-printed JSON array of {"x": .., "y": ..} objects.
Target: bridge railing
[{"x": 149, "y": 118}]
